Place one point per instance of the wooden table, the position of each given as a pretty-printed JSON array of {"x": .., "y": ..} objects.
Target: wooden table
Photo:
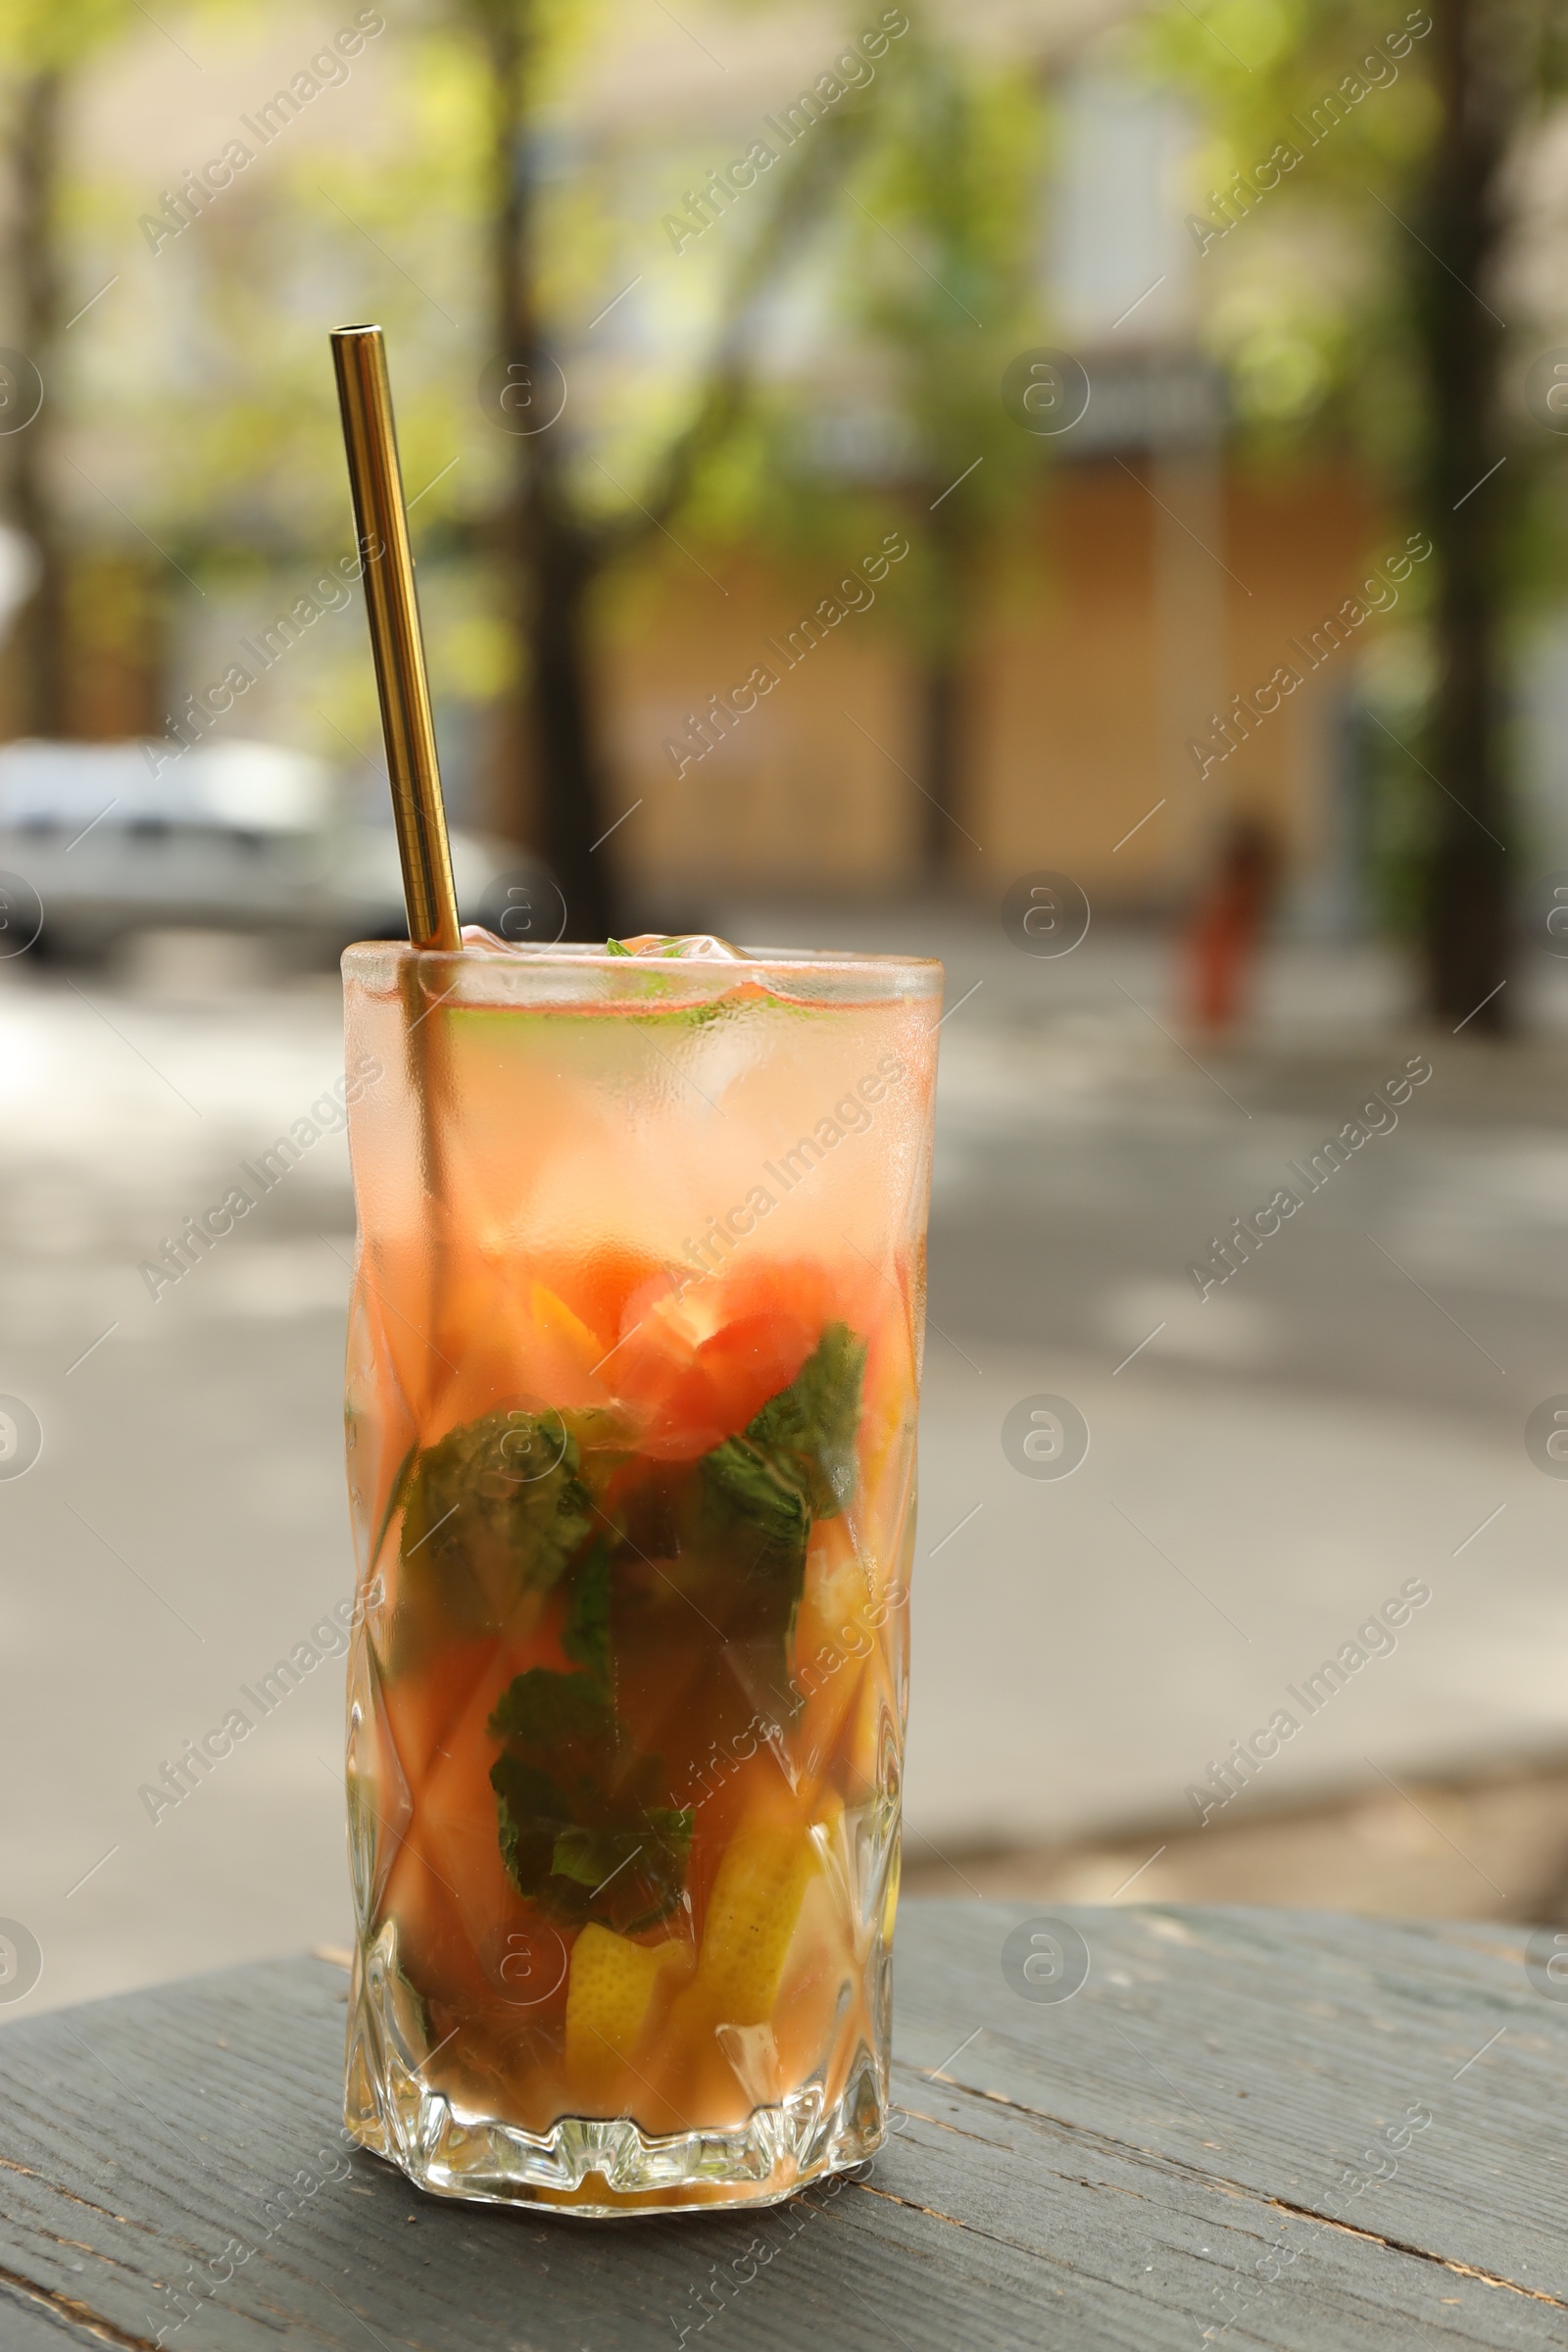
[{"x": 1178, "y": 2149}]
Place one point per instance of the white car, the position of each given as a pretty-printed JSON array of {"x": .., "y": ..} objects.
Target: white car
[{"x": 125, "y": 837}]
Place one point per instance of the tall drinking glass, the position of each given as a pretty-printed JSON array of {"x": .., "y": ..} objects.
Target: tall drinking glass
[{"x": 634, "y": 1365}]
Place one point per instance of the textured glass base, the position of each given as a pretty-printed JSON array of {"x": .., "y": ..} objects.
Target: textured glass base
[{"x": 592, "y": 2169}]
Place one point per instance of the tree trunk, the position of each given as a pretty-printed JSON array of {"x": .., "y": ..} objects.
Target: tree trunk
[
  {"x": 42, "y": 625},
  {"x": 561, "y": 705},
  {"x": 1468, "y": 883},
  {"x": 549, "y": 559},
  {"x": 942, "y": 695}
]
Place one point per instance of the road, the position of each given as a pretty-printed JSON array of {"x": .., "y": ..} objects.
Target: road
[{"x": 1270, "y": 1466}]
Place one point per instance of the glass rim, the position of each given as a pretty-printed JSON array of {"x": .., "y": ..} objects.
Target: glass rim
[
  {"x": 589, "y": 952},
  {"x": 375, "y": 963}
]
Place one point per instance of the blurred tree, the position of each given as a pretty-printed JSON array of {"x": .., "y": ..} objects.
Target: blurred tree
[
  {"x": 251, "y": 466},
  {"x": 1379, "y": 152},
  {"x": 554, "y": 538},
  {"x": 1490, "y": 63},
  {"x": 42, "y": 63},
  {"x": 942, "y": 276},
  {"x": 45, "y": 50}
]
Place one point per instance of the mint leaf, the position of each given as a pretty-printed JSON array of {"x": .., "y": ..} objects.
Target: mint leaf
[
  {"x": 562, "y": 1718},
  {"x": 750, "y": 1483},
  {"x": 794, "y": 1462},
  {"x": 495, "y": 1510},
  {"x": 585, "y": 1826},
  {"x": 593, "y": 1857},
  {"x": 585, "y": 1635}
]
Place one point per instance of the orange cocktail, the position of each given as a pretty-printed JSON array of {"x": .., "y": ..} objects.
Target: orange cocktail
[{"x": 633, "y": 1370}]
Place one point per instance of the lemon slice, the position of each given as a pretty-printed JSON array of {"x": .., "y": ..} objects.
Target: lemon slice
[
  {"x": 612, "y": 1990},
  {"x": 752, "y": 1916}
]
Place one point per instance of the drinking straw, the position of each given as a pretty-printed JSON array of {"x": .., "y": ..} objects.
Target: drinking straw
[{"x": 375, "y": 478}]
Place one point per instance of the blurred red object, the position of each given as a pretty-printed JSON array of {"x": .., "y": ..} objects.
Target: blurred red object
[{"x": 1220, "y": 946}]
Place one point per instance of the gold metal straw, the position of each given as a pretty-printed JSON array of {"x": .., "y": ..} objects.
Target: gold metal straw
[{"x": 358, "y": 355}]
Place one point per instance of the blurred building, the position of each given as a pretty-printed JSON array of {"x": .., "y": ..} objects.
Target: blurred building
[
  {"x": 1164, "y": 584},
  {"x": 1162, "y": 579}
]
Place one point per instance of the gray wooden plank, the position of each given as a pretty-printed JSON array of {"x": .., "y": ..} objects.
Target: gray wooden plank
[
  {"x": 1055, "y": 2187},
  {"x": 1274, "y": 2048},
  {"x": 27, "y": 2323}
]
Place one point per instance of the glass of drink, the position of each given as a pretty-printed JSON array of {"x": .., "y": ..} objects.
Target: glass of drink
[{"x": 633, "y": 1367}]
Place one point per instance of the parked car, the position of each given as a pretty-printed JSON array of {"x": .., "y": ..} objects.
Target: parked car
[{"x": 122, "y": 837}]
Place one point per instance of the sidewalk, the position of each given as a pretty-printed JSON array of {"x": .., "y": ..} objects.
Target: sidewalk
[
  {"x": 1493, "y": 1845},
  {"x": 1087, "y": 1649}
]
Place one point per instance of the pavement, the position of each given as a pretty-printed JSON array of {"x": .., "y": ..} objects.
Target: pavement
[
  {"x": 1265, "y": 1468},
  {"x": 1488, "y": 1842}
]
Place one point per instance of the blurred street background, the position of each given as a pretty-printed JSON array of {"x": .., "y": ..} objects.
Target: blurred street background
[{"x": 1074, "y": 489}]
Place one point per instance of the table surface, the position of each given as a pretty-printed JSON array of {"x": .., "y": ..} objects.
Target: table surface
[{"x": 1218, "y": 2135}]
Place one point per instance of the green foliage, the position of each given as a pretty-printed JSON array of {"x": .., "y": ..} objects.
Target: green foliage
[
  {"x": 42, "y": 36},
  {"x": 796, "y": 1460},
  {"x": 483, "y": 1525},
  {"x": 924, "y": 287},
  {"x": 585, "y": 1829},
  {"x": 1303, "y": 283},
  {"x": 793, "y": 1463},
  {"x": 586, "y": 1825},
  {"x": 940, "y": 270},
  {"x": 585, "y": 1636},
  {"x": 1355, "y": 213},
  {"x": 941, "y": 257}
]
